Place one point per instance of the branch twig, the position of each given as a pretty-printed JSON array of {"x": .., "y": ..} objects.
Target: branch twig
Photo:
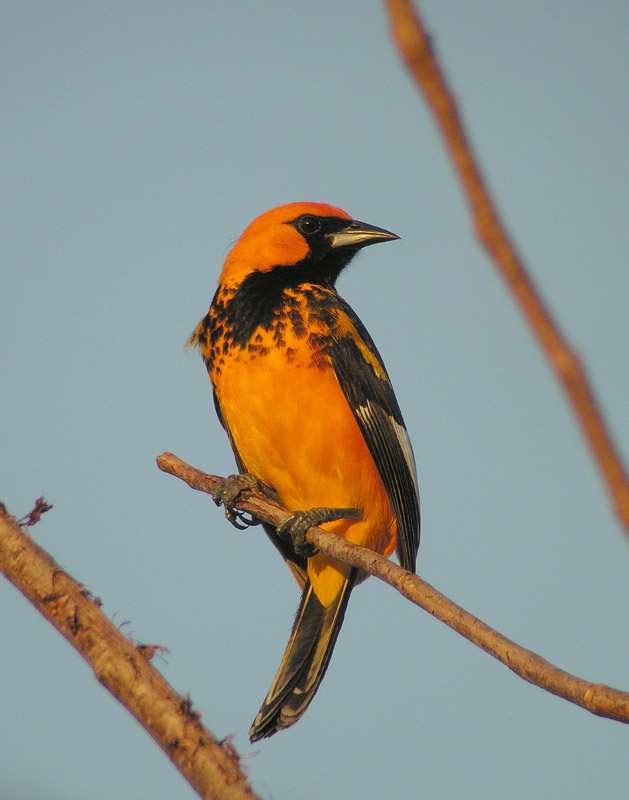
[
  {"x": 597, "y": 698},
  {"x": 413, "y": 44},
  {"x": 212, "y": 769}
]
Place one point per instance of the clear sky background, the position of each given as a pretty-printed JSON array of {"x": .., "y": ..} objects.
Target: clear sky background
[{"x": 138, "y": 140}]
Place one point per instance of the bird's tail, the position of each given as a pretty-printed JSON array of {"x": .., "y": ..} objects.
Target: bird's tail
[{"x": 305, "y": 660}]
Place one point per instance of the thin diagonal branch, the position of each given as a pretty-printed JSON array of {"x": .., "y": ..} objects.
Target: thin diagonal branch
[
  {"x": 597, "y": 698},
  {"x": 211, "y": 768},
  {"x": 413, "y": 44}
]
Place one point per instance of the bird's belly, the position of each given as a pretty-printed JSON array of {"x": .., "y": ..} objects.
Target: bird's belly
[{"x": 293, "y": 428}]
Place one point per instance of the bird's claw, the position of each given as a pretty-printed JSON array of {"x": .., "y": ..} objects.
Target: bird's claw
[
  {"x": 296, "y": 526},
  {"x": 229, "y": 490}
]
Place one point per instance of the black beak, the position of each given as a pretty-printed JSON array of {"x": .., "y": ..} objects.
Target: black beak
[{"x": 359, "y": 234}]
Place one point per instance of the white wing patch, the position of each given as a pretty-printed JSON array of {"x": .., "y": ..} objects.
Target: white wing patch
[
  {"x": 407, "y": 448},
  {"x": 366, "y": 414}
]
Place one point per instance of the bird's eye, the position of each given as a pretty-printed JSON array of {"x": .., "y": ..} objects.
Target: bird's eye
[{"x": 309, "y": 224}]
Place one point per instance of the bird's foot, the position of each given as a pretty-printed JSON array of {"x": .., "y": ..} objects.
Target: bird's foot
[
  {"x": 229, "y": 490},
  {"x": 299, "y": 523}
]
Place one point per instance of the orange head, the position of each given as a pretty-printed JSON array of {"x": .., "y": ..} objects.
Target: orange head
[{"x": 317, "y": 235}]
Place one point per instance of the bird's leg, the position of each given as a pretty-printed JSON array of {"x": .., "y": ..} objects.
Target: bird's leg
[
  {"x": 229, "y": 490},
  {"x": 299, "y": 523}
]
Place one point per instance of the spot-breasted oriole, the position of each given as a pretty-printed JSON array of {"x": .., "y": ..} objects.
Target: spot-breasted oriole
[{"x": 306, "y": 401}]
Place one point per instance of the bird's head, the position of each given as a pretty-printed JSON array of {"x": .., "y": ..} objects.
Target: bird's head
[{"x": 314, "y": 238}]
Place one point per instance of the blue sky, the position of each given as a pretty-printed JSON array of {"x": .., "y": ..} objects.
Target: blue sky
[{"x": 138, "y": 140}]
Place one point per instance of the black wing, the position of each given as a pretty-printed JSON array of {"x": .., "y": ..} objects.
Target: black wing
[{"x": 365, "y": 383}]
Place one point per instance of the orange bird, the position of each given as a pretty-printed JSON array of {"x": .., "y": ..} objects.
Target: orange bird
[{"x": 310, "y": 413}]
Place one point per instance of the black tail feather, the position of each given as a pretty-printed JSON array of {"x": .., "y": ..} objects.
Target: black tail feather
[{"x": 304, "y": 662}]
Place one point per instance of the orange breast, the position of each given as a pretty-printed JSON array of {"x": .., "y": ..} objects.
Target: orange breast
[{"x": 294, "y": 429}]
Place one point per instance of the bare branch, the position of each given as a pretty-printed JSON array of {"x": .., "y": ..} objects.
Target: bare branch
[
  {"x": 415, "y": 49},
  {"x": 212, "y": 769},
  {"x": 597, "y": 698}
]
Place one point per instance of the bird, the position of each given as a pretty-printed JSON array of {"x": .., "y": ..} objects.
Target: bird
[{"x": 312, "y": 419}]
